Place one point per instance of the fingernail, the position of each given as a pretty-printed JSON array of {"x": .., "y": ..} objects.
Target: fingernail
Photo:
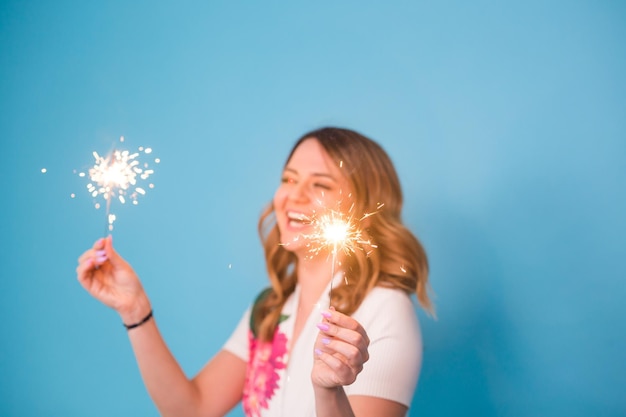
[
  {"x": 101, "y": 252},
  {"x": 325, "y": 341},
  {"x": 101, "y": 258},
  {"x": 323, "y": 326},
  {"x": 326, "y": 314},
  {"x": 318, "y": 352}
]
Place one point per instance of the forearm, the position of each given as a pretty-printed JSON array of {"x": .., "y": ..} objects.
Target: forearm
[
  {"x": 170, "y": 389},
  {"x": 332, "y": 402},
  {"x": 111, "y": 280}
]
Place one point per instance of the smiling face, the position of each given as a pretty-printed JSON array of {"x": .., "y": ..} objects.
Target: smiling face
[{"x": 311, "y": 183}]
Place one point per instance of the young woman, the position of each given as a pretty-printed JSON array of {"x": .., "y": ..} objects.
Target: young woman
[{"x": 306, "y": 347}]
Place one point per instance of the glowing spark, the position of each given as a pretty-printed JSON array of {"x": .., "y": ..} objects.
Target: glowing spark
[
  {"x": 337, "y": 232},
  {"x": 44, "y": 170},
  {"x": 334, "y": 231},
  {"x": 117, "y": 176}
]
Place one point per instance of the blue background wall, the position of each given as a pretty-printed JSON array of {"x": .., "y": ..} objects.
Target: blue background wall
[{"x": 506, "y": 122}]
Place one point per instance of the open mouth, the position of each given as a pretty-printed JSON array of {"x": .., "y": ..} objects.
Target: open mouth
[{"x": 297, "y": 220}]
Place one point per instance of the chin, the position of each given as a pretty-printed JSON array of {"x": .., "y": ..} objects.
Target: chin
[
  {"x": 294, "y": 244},
  {"x": 291, "y": 245}
]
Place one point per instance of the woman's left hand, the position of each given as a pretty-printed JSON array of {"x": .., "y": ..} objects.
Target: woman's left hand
[{"x": 340, "y": 350}]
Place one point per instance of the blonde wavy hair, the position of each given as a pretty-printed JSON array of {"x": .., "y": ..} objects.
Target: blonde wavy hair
[{"x": 399, "y": 260}]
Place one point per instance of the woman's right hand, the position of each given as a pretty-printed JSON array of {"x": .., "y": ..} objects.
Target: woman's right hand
[{"x": 110, "y": 279}]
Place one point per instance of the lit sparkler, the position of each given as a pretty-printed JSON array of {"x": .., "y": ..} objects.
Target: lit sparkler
[
  {"x": 119, "y": 175},
  {"x": 338, "y": 232}
]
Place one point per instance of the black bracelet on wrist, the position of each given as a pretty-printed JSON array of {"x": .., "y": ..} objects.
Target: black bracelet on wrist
[{"x": 145, "y": 319}]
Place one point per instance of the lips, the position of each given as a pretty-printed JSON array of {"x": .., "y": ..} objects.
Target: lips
[{"x": 297, "y": 220}]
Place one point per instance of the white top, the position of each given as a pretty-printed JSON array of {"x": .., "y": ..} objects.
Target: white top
[{"x": 278, "y": 383}]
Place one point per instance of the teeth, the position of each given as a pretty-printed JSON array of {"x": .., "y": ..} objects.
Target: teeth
[
  {"x": 296, "y": 224},
  {"x": 297, "y": 216}
]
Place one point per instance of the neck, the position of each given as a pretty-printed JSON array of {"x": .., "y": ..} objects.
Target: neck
[{"x": 313, "y": 276}]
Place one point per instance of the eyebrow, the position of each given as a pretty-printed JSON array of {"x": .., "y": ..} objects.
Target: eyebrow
[{"x": 315, "y": 174}]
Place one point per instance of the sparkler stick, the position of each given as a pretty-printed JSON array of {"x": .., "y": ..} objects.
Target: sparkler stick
[{"x": 118, "y": 175}]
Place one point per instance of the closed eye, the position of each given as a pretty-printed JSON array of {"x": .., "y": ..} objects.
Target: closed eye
[{"x": 322, "y": 186}]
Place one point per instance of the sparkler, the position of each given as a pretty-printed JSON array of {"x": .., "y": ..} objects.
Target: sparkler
[
  {"x": 119, "y": 175},
  {"x": 338, "y": 232}
]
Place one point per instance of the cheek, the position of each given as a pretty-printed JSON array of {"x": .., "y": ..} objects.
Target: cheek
[
  {"x": 337, "y": 201},
  {"x": 279, "y": 197}
]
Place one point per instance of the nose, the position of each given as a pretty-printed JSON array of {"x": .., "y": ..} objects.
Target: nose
[{"x": 299, "y": 192}]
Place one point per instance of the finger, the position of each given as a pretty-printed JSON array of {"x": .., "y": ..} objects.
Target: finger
[
  {"x": 343, "y": 374},
  {"x": 353, "y": 356},
  {"x": 344, "y": 321},
  {"x": 84, "y": 271},
  {"x": 89, "y": 261},
  {"x": 355, "y": 336},
  {"x": 99, "y": 244},
  {"x": 110, "y": 252},
  {"x": 86, "y": 255},
  {"x": 96, "y": 251},
  {"x": 97, "y": 257}
]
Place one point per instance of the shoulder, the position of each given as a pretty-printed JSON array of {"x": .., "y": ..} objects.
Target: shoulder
[
  {"x": 390, "y": 299},
  {"x": 388, "y": 308}
]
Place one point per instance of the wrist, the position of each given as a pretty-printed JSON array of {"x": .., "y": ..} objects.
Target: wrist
[
  {"x": 136, "y": 312},
  {"x": 324, "y": 391},
  {"x": 332, "y": 401},
  {"x": 139, "y": 323}
]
